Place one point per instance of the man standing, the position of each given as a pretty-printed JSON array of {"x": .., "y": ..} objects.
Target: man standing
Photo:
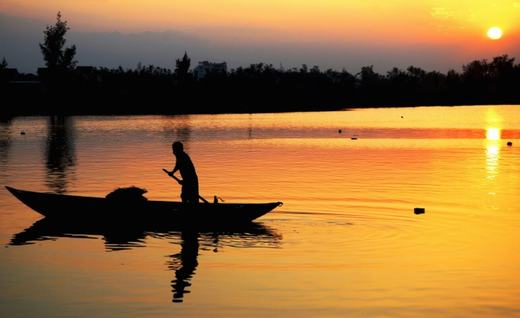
[{"x": 189, "y": 182}]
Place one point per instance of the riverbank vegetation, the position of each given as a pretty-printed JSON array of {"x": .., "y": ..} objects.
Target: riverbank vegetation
[{"x": 62, "y": 87}]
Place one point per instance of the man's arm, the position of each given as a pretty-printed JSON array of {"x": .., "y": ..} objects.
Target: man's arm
[
  {"x": 174, "y": 177},
  {"x": 177, "y": 164},
  {"x": 170, "y": 173}
]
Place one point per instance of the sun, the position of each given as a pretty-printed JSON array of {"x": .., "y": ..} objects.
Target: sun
[{"x": 494, "y": 33}]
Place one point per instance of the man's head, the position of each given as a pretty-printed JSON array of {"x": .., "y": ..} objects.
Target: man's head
[{"x": 177, "y": 147}]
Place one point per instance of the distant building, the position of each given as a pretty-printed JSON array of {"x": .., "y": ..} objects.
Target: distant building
[{"x": 204, "y": 68}]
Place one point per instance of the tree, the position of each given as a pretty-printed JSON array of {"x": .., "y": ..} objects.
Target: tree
[
  {"x": 476, "y": 70},
  {"x": 53, "y": 50},
  {"x": 4, "y": 64},
  {"x": 368, "y": 76},
  {"x": 182, "y": 66},
  {"x": 501, "y": 67}
]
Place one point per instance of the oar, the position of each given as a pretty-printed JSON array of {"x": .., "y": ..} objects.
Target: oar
[{"x": 179, "y": 181}]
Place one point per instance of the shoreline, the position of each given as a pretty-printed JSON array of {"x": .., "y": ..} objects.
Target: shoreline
[
  {"x": 304, "y": 110},
  {"x": 259, "y": 88}
]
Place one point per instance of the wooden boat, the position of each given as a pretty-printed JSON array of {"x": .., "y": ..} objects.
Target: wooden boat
[{"x": 98, "y": 209}]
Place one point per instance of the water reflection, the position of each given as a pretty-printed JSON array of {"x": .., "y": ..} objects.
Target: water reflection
[
  {"x": 123, "y": 237},
  {"x": 5, "y": 143},
  {"x": 184, "y": 264},
  {"x": 492, "y": 156},
  {"x": 59, "y": 152},
  {"x": 493, "y": 136},
  {"x": 250, "y": 126},
  {"x": 178, "y": 128}
]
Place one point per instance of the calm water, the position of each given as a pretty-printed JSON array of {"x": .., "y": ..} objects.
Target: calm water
[{"x": 345, "y": 243}]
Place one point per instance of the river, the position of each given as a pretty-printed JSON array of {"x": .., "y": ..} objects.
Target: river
[{"x": 346, "y": 242}]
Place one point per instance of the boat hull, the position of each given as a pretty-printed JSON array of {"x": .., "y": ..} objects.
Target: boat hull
[{"x": 97, "y": 209}]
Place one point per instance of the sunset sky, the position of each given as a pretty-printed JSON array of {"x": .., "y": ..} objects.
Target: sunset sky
[{"x": 433, "y": 34}]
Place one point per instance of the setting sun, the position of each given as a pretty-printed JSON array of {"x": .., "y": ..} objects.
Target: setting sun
[{"x": 494, "y": 33}]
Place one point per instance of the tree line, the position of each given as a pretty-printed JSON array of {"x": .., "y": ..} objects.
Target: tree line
[{"x": 65, "y": 88}]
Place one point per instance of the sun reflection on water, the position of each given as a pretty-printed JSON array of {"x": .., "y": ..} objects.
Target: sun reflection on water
[
  {"x": 493, "y": 134},
  {"x": 492, "y": 151}
]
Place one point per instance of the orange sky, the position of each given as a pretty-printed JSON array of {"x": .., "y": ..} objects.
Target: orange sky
[
  {"x": 339, "y": 20},
  {"x": 340, "y": 23}
]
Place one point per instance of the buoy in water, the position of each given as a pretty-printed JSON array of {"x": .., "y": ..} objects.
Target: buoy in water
[
  {"x": 339, "y": 131},
  {"x": 22, "y": 132},
  {"x": 509, "y": 143},
  {"x": 353, "y": 138},
  {"x": 419, "y": 210}
]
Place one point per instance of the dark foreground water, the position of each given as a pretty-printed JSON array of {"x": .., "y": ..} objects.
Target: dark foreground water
[{"x": 346, "y": 242}]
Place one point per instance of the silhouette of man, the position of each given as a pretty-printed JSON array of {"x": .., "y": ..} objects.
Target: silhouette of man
[{"x": 189, "y": 182}]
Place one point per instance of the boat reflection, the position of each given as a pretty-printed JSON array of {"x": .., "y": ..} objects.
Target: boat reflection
[{"x": 184, "y": 264}]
